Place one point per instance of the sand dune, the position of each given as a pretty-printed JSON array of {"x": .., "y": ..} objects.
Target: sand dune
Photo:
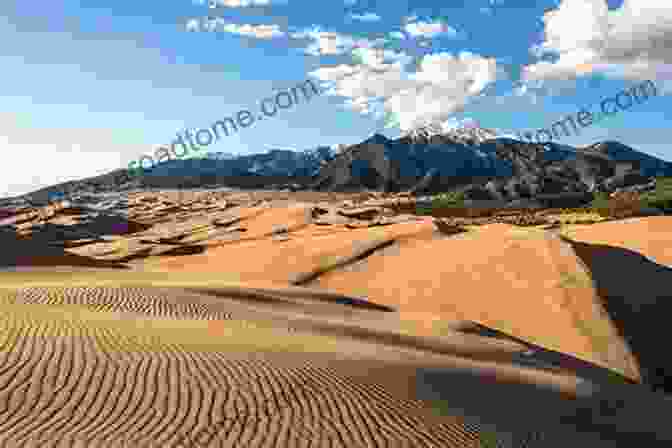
[
  {"x": 502, "y": 277},
  {"x": 297, "y": 324},
  {"x": 135, "y": 376}
]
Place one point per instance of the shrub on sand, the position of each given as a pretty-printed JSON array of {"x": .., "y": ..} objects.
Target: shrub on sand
[
  {"x": 619, "y": 205},
  {"x": 600, "y": 203},
  {"x": 449, "y": 199},
  {"x": 661, "y": 197},
  {"x": 450, "y": 204},
  {"x": 448, "y": 228}
]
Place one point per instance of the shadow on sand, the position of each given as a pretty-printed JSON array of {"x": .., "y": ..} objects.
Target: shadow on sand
[
  {"x": 606, "y": 409},
  {"x": 548, "y": 360},
  {"x": 33, "y": 253},
  {"x": 88, "y": 227},
  {"x": 525, "y": 412},
  {"x": 637, "y": 294}
]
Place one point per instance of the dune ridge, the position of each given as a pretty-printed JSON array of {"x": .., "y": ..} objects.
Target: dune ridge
[{"x": 316, "y": 325}]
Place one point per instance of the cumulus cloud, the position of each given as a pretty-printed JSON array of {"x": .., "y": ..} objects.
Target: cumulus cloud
[
  {"x": 193, "y": 25},
  {"x": 430, "y": 29},
  {"x": 257, "y": 31},
  {"x": 212, "y": 24},
  {"x": 632, "y": 42},
  {"x": 366, "y": 17},
  {"x": 442, "y": 85},
  {"x": 378, "y": 56},
  {"x": 241, "y": 3},
  {"x": 329, "y": 43}
]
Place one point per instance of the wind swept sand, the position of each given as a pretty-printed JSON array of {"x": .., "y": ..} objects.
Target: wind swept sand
[{"x": 298, "y": 325}]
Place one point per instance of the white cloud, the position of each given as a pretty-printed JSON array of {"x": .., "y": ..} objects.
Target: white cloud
[
  {"x": 366, "y": 17},
  {"x": 429, "y": 29},
  {"x": 441, "y": 87},
  {"x": 241, "y": 3},
  {"x": 257, "y": 31},
  {"x": 378, "y": 56},
  {"x": 213, "y": 24},
  {"x": 193, "y": 25},
  {"x": 632, "y": 42},
  {"x": 329, "y": 43}
]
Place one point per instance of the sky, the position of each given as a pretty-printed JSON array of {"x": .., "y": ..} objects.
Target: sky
[{"x": 90, "y": 85}]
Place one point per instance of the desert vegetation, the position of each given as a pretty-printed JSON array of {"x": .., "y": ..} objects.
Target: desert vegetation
[
  {"x": 449, "y": 199},
  {"x": 661, "y": 197},
  {"x": 630, "y": 203}
]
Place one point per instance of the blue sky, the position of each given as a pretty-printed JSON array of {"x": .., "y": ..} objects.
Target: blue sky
[{"x": 90, "y": 85}]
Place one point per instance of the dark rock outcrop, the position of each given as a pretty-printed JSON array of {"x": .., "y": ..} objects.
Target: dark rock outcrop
[
  {"x": 497, "y": 168},
  {"x": 623, "y": 180}
]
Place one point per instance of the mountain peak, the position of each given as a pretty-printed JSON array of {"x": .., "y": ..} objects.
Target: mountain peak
[
  {"x": 467, "y": 134},
  {"x": 377, "y": 138}
]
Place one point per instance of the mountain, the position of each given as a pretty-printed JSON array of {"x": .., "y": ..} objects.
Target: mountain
[
  {"x": 468, "y": 135},
  {"x": 400, "y": 163},
  {"x": 216, "y": 168},
  {"x": 651, "y": 166},
  {"x": 431, "y": 159},
  {"x": 273, "y": 163},
  {"x": 427, "y": 159},
  {"x": 220, "y": 155},
  {"x": 114, "y": 181}
]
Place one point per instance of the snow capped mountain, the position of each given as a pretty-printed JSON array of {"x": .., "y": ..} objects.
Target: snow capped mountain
[
  {"x": 220, "y": 155},
  {"x": 471, "y": 135},
  {"x": 423, "y": 133},
  {"x": 338, "y": 148},
  {"x": 466, "y": 133}
]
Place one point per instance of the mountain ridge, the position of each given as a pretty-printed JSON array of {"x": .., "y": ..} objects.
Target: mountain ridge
[{"x": 437, "y": 157}]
